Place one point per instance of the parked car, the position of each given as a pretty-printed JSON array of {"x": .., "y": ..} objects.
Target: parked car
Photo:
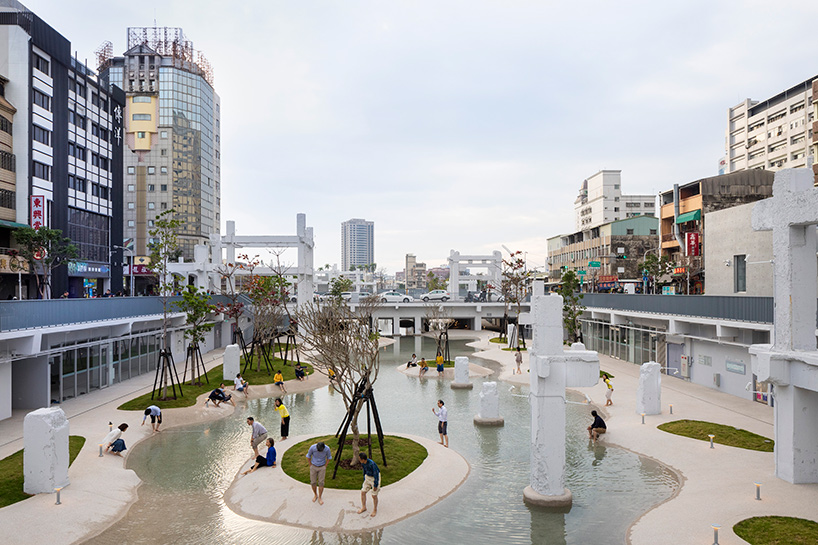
[
  {"x": 347, "y": 295},
  {"x": 395, "y": 297},
  {"x": 436, "y": 295}
]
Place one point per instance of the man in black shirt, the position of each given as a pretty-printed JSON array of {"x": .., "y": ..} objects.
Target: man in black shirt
[{"x": 598, "y": 427}]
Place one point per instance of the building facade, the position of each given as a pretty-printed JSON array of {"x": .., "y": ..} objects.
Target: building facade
[
  {"x": 172, "y": 126},
  {"x": 772, "y": 134},
  {"x": 683, "y": 212},
  {"x": 415, "y": 273},
  {"x": 601, "y": 201},
  {"x": 65, "y": 150},
  {"x": 357, "y": 243},
  {"x": 604, "y": 255}
]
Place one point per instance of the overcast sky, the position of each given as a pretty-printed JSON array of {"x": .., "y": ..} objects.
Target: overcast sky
[{"x": 461, "y": 124}]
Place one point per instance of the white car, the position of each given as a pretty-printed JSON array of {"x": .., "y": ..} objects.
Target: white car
[
  {"x": 436, "y": 295},
  {"x": 395, "y": 297},
  {"x": 347, "y": 295}
]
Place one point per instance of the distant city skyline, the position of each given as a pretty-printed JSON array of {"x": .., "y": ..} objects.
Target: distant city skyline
[
  {"x": 357, "y": 243},
  {"x": 461, "y": 126}
]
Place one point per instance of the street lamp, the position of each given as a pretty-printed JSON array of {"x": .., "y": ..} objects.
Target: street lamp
[{"x": 131, "y": 255}]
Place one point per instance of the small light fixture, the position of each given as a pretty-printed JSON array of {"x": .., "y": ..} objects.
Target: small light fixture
[
  {"x": 711, "y": 440},
  {"x": 671, "y": 408},
  {"x": 726, "y": 262},
  {"x": 643, "y": 418},
  {"x": 100, "y": 450},
  {"x": 758, "y": 490},
  {"x": 57, "y": 490},
  {"x": 716, "y": 528}
]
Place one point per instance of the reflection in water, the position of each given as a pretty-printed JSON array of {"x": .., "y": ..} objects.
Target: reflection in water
[{"x": 186, "y": 471}]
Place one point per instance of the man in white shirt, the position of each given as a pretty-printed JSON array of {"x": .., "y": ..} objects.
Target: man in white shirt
[{"x": 442, "y": 415}]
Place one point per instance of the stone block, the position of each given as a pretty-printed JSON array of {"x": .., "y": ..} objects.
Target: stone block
[
  {"x": 489, "y": 401},
  {"x": 649, "y": 391},
  {"x": 582, "y": 367},
  {"x": 461, "y": 370},
  {"x": 45, "y": 451},
  {"x": 231, "y": 366}
]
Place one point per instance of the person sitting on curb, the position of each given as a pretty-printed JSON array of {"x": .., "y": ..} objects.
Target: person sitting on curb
[
  {"x": 114, "y": 442},
  {"x": 299, "y": 372},
  {"x": 218, "y": 397},
  {"x": 278, "y": 379},
  {"x": 423, "y": 367},
  {"x": 413, "y": 362},
  {"x": 264, "y": 461},
  {"x": 241, "y": 385},
  {"x": 597, "y": 428}
]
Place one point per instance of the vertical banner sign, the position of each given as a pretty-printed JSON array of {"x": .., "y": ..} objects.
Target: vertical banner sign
[
  {"x": 117, "y": 125},
  {"x": 37, "y": 211},
  {"x": 692, "y": 243}
]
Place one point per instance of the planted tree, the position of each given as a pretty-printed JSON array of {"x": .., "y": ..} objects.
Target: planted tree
[
  {"x": 439, "y": 319},
  {"x": 516, "y": 286},
  {"x": 196, "y": 305},
  {"x": 340, "y": 285},
  {"x": 43, "y": 250},
  {"x": 343, "y": 344},
  {"x": 657, "y": 267},
  {"x": 235, "y": 308},
  {"x": 268, "y": 295},
  {"x": 572, "y": 307},
  {"x": 434, "y": 283},
  {"x": 164, "y": 248}
]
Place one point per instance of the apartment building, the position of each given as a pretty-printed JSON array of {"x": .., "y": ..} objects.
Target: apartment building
[
  {"x": 601, "y": 201},
  {"x": 172, "y": 127},
  {"x": 60, "y": 154},
  {"x": 415, "y": 273},
  {"x": 357, "y": 243},
  {"x": 774, "y": 133},
  {"x": 683, "y": 212}
]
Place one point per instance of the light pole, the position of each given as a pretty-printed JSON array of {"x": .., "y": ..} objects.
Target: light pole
[{"x": 130, "y": 268}]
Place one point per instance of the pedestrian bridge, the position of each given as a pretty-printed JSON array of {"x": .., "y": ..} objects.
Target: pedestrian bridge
[{"x": 395, "y": 319}]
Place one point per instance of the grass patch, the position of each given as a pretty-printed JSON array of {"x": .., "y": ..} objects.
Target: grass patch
[
  {"x": 522, "y": 349},
  {"x": 777, "y": 531},
  {"x": 214, "y": 376},
  {"x": 725, "y": 435},
  {"x": 402, "y": 455},
  {"x": 11, "y": 472}
]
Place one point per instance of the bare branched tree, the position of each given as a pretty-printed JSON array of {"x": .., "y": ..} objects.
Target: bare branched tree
[
  {"x": 342, "y": 342},
  {"x": 440, "y": 320}
]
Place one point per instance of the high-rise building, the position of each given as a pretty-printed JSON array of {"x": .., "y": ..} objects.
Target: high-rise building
[
  {"x": 357, "y": 243},
  {"x": 60, "y": 154},
  {"x": 772, "y": 134},
  {"x": 172, "y": 126},
  {"x": 600, "y": 201}
]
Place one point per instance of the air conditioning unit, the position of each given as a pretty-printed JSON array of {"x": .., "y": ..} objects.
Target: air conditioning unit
[{"x": 717, "y": 380}]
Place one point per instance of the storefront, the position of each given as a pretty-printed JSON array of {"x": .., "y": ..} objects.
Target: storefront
[{"x": 86, "y": 279}]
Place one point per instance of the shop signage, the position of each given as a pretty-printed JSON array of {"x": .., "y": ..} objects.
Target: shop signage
[
  {"x": 37, "y": 211},
  {"x": 679, "y": 270},
  {"x": 90, "y": 270},
  {"x": 692, "y": 243},
  {"x": 735, "y": 367},
  {"x": 143, "y": 270},
  {"x": 668, "y": 290},
  {"x": 608, "y": 278},
  {"x": 14, "y": 265}
]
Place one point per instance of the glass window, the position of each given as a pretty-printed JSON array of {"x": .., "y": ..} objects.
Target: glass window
[
  {"x": 140, "y": 134},
  {"x": 740, "y": 273},
  {"x": 163, "y": 170},
  {"x": 131, "y": 170},
  {"x": 164, "y": 134},
  {"x": 151, "y": 170},
  {"x": 141, "y": 117},
  {"x": 130, "y": 206},
  {"x": 163, "y": 187},
  {"x": 131, "y": 223},
  {"x": 151, "y": 187},
  {"x": 141, "y": 99},
  {"x": 130, "y": 187},
  {"x": 151, "y": 206}
]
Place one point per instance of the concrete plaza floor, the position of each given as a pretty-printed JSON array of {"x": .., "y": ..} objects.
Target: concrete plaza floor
[{"x": 716, "y": 484}]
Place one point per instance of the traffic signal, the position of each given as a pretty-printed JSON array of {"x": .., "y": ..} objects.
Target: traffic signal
[{"x": 622, "y": 257}]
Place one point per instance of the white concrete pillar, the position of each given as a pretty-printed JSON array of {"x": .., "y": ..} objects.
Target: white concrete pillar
[
  {"x": 489, "y": 406},
  {"x": 45, "y": 451},
  {"x": 418, "y": 325},
  {"x": 231, "y": 366},
  {"x": 461, "y": 374},
  {"x": 649, "y": 391},
  {"x": 5, "y": 390}
]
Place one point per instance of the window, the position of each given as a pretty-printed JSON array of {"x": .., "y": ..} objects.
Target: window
[
  {"x": 616, "y": 186},
  {"x": 151, "y": 187},
  {"x": 164, "y": 135},
  {"x": 79, "y": 152},
  {"x": 616, "y": 199},
  {"x": 130, "y": 206},
  {"x": 95, "y": 190},
  {"x": 40, "y": 64},
  {"x": 141, "y": 98},
  {"x": 163, "y": 153},
  {"x": 130, "y": 187},
  {"x": 616, "y": 209},
  {"x": 77, "y": 119},
  {"x": 151, "y": 206},
  {"x": 163, "y": 205},
  {"x": 131, "y": 170},
  {"x": 77, "y": 184},
  {"x": 42, "y": 100},
  {"x": 41, "y": 171},
  {"x": 163, "y": 170},
  {"x": 150, "y": 223},
  {"x": 8, "y": 199},
  {"x": 41, "y": 135},
  {"x": 79, "y": 89},
  {"x": 739, "y": 273},
  {"x": 163, "y": 187},
  {"x": 131, "y": 223},
  {"x": 141, "y": 117},
  {"x": 140, "y": 134},
  {"x": 103, "y": 192},
  {"x": 648, "y": 205},
  {"x": 151, "y": 170},
  {"x": 653, "y": 231},
  {"x": 629, "y": 231},
  {"x": 5, "y": 124}
]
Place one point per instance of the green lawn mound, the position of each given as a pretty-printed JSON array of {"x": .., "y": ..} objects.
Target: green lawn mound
[
  {"x": 11, "y": 472},
  {"x": 403, "y": 456},
  {"x": 777, "y": 531},
  {"x": 214, "y": 377},
  {"x": 724, "y": 435}
]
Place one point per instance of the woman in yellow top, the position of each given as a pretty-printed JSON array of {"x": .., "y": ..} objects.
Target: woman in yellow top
[
  {"x": 278, "y": 379},
  {"x": 439, "y": 361},
  {"x": 285, "y": 418},
  {"x": 423, "y": 367}
]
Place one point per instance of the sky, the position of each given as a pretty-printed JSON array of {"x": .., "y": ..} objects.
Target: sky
[{"x": 461, "y": 125}]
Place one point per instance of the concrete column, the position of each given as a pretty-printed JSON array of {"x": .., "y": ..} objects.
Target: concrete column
[
  {"x": 489, "y": 406},
  {"x": 5, "y": 390},
  {"x": 45, "y": 453},
  {"x": 31, "y": 383},
  {"x": 649, "y": 391},
  {"x": 461, "y": 374},
  {"x": 418, "y": 325},
  {"x": 396, "y": 327},
  {"x": 231, "y": 366}
]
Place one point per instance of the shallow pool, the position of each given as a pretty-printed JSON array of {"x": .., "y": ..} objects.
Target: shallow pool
[{"x": 186, "y": 471}]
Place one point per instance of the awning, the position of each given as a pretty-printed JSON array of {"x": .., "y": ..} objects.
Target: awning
[
  {"x": 689, "y": 216},
  {"x": 12, "y": 224}
]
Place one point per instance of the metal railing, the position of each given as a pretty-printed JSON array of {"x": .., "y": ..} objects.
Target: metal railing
[{"x": 38, "y": 313}]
